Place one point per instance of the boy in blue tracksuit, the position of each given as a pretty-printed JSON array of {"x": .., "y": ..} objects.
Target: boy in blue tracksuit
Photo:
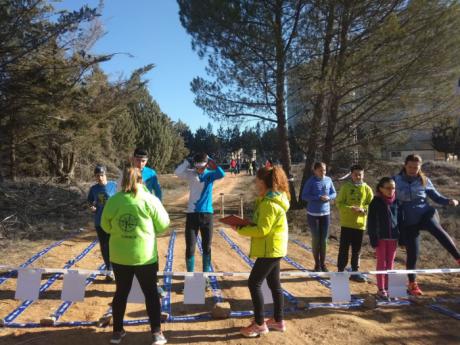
[
  {"x": 97, "y": 197},
  {"x": 318, "y": 191},
  {"x": 199, "y": 211}
]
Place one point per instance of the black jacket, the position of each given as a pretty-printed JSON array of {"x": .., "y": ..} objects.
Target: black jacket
[{"x": 382, "y": 221}]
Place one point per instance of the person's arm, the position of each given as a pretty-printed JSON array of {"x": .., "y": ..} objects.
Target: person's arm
[
  {"x": 157, "y": 188},
  {"x": 216, "y": 171},
  {"x": 159, "y": 215},
  {"x": 342, "y": 198},
  {"x": 332, "y": 192},
  {"x": 368, "y": 200},
  {"x": 91, "y": 200},
  {"x": 434, "y": 194},
  {"x": 266, "y": 219},
  {"x": 306, "y": 192},
  {"x": 182, "y": 170},
  {"x": 108, "y": 213},
  {"x": 372, "y": 224}
]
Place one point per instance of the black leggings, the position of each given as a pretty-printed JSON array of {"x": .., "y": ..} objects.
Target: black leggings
[
  {"x": 412, "y": 240},
  {"x": 266, "y": 268},
  {"x": 147, "y": 276},
  {"x": 354, "y": 238},
  {"x": 194, "y": 222},
  {"x": 104, "y": 239}
]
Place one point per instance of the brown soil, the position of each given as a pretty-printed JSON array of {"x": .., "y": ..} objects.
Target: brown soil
[{"x": 415, "y": 324}]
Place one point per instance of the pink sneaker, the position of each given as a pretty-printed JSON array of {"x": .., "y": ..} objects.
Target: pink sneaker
[
  {"x": 276, "y": 326},
  {"x": 254, "y": 330}
]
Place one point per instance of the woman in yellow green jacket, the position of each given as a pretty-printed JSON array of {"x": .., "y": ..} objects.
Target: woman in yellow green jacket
[
  {"x": 269, "y": 240},
  {"x": 133, "y": 218}
]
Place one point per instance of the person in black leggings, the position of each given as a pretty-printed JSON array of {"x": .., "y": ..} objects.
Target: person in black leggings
[
  {"x": 269, "y": 237},
  {"x": 412, "y": 190},
  {"x": 133, "y": 217}
]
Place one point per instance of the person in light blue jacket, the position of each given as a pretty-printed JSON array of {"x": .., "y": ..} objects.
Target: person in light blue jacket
[
  {"x": 413, "y": 189},
  {"x": 318, "y": 191}
]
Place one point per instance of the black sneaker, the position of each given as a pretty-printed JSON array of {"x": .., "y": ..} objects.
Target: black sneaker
[
  {"x": 116, "y": 337},
  {"x": 158, "y": 339},
  {"x": 359, "y": 278},
  {"x": 324, "y": 268}
]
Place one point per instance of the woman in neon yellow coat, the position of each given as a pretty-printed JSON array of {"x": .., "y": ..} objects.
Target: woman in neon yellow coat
[
  {"x": 269, "y": 240},
  {"x": 133, "y": 218}
]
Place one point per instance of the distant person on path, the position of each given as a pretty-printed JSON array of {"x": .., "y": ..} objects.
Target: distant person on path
[
  {"x": 383, "y": 230},
  {"x": 134, "y": 217},
  {"x": 200, "y": 211},
  {"x": 97, "y": 198},
  {"x": 353, "y": 202},
  {"x": 269, "y": 240},
  {"x": 250, "y": 168},
  {"x": 413, "y": 189},
  {"x": 318, "y": 192},
  {"x": 255, "y": 166},
  {"x": 269, "y": 163},
  {"x": 233, "y": 166}
]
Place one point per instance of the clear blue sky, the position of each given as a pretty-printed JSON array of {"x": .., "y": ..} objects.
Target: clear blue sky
[{"x": 150, "y": 30}]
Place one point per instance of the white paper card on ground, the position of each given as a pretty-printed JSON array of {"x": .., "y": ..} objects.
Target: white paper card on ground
[
  {"x": 397, "y": 285},
  {"x": 28, "y": 284},
  {"x": 340, "y": 287},
  {"x": 194, "y": 289},
  {"x": 136, "y": 295},
  {"x": 74, "y": 286},
  {"x": 266, "y": 292}
]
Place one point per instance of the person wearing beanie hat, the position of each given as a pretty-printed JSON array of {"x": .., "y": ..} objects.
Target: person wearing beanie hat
[
  {"x": 149, "y": 175},
  {"x": 97, "y": 197}
]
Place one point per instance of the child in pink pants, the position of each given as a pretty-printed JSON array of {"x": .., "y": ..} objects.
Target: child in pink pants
[{"x": 383, "y": 230}]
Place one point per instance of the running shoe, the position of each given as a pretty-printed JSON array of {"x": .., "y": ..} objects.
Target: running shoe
[
  {"x": 276, "y": 326},
  {"x": 254, "y": 330},
  {"x": 158, "y": 339},
  {"x": 414, "y": 290},
  {"x": 117, "y": 336}
]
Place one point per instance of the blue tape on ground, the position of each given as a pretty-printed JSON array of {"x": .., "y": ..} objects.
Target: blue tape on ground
[
  {"x": 166, "y": 302},
  {"x": 19, "y": 310},
  {"x": 67, "y": 304},
  {"x": 34, "y": 258},
  {"x": 238, "y": 250},
  {"x": 444, "y": 310},
  {"x": 216, "y": 291}
]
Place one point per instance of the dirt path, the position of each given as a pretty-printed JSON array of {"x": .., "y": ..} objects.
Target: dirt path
[{"x": 415, "y": 324}]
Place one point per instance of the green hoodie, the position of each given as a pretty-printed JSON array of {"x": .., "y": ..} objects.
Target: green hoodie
[
  {"x": 133, "y": 223},
  {"x": 269, "y": 235},
  {"x": 354, "y": 195}
]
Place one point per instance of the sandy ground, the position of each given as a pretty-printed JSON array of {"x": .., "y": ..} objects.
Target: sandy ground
[{"x": 415, "y": 324}]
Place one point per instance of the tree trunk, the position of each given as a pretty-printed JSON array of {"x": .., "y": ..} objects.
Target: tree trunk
[
  {"x": 315, "y": 122},
  {"x": 282, "y": 130},
  {"x": 335, "y": 85},
  {"x": 13, "y": 163}
]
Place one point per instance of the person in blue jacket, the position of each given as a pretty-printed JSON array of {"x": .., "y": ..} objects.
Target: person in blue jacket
[
  {"x": 413, "y": 189},
  {"x": 149, "y": 175},
  {"x": 199, "y": 211},
  {"x": 318, "y": 191},
  {"x": 97, "y": 197}
]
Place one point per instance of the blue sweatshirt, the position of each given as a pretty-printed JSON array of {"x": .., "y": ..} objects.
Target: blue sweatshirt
[
  {"x": 98, "y": 196},
  {"x": 150, "y": 178},
  {"x": 413, "y": 197},
  {"x": 311, "y": 192},
  {"x": 200, "y": 198}
]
